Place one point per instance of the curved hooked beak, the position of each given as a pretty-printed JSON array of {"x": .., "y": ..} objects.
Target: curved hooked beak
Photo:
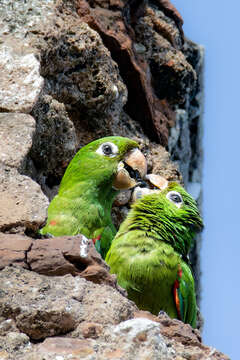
[
  {"x": 155, "y": 183},
  {"x": 131, "y": 170}
]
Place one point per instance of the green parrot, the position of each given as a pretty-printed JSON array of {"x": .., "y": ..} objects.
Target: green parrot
[
  {"x": 87, "y": 190},
  {"x": 149, "y": 254}
]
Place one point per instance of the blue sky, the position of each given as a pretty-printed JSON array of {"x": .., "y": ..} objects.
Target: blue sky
[{"x": 215, "y": 24}]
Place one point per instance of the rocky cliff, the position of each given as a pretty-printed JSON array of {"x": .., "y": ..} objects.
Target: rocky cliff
[{"x": 70, "y": 72}]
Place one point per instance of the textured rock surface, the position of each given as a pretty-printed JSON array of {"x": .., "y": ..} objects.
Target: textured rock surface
[
  {"x": 20, "y": 79},
  {"x": 73, "y": 71},
  {"x": 54, "y": 142},
  {"x": 22, "y": 203},
  {"x": 95, "y": 322},
  {"x": 75, "y": 255},
  {"x": 16, "y": 132},
  {"x": 13, "y": 250},
  {"x": 51, "y": 306},
  {"x": 146, "y": 45}
]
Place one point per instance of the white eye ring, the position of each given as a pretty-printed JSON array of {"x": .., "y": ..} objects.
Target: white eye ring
[
  {"x": 175, "y": 198},
  {"x": 107, "y": 149}
]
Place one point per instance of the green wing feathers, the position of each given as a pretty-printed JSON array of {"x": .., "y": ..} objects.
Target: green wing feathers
[{"x": 184, "y": 295}]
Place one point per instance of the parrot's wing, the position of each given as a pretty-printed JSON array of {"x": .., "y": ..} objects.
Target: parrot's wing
[
  {"x": 184, "y": 295},
  {"x": 103, "y": 238}
]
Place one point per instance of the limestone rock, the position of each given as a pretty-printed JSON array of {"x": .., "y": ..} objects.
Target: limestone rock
[
  {"x": 22, "y": 203},
  {"x": 14, "y": 341},
  {"x": 136, "y": 339},
  {"x": 51, "y": 306},
  {"x": 184, "y": 341},
  {"x": 64, "y": 348},
  {"x": 25, "y": 19},
  {"x": 16, "y": 132},
  {"x": 20, "y": 78}
]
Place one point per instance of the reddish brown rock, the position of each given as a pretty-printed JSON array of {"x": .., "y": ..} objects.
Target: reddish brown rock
[
  {"x": 75, "y": 255},
  {"x": 121, "y": 29},
  {"x": 13, "y": 250},
  {"x": 57, "y": 256}
]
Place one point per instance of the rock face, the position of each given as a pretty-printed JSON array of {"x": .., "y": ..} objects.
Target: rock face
[
  {"x": 25, "y": 81},
  {"x": 22, "y": 203},
  {"x": 70, "y": 72},
  {"x": 75, "y": 255},
  {"x": 94, "y": 322}
]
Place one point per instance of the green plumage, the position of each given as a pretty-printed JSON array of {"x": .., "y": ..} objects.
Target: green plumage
[
  {"x": 83, "y": 204},
  {"x": 149, "y": 251}
]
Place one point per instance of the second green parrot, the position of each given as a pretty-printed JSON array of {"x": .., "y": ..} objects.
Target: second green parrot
[
  {"x": 149, "y": 254},
  {"x": 87, "y": 190}
]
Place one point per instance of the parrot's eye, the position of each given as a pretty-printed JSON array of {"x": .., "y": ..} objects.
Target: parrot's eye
[
  {"x": 175, "y": 197},
  {"x": 108, "y": 149}
]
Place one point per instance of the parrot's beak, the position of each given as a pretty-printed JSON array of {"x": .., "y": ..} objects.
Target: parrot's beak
[
  {"x": 131, "y": 170},
  {"x": 155, "y": 183}
]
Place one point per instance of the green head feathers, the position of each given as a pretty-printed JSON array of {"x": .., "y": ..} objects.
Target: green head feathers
[
  {"x": 171, "y": 215},
  {"x": 98, "y": 160}
]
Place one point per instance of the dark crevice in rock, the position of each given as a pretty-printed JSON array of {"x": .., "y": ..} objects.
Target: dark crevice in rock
[
  {"x": 137, "y": 106},
  {"x": 12, "y": 228},
  {"x": 79, "y": 265},
  {"x": 26, "y": 257},
  {"x": 132, "y": 11},
  {"x": 53, "y": 180}
]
